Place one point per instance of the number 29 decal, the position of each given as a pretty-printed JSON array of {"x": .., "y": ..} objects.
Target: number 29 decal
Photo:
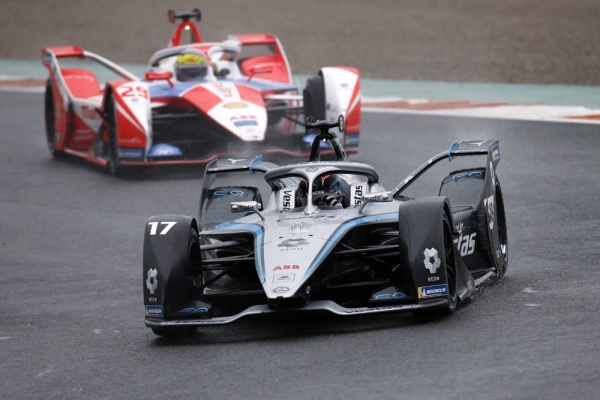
[
  {"x": 164, "y": 231},
  {"x": 133, "y": 91}
]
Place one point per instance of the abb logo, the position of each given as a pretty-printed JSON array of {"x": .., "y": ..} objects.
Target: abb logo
[
  {"x": 242, "y": 117},
  {"x": 281, "y": 267}
]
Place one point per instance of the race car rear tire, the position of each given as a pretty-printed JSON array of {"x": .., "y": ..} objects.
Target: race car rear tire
[
  {"x": 314, "y": 98},
  {"x": 49, "y": 115},
  {"x": 451, "y": 275}
]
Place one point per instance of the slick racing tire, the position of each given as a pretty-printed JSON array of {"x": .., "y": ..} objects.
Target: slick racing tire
[
  {"x": 114, "y": 162},
  {"x": 498, "y": 235},
  {"x": 192, "y": 265},
  {"x": 450, "y": 262},
  {"x": 49, "y": 116},
  {"x": 314, "y": 98}
]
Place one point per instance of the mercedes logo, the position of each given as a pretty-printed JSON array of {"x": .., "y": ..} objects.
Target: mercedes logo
[{"x": 281, "y": 289}]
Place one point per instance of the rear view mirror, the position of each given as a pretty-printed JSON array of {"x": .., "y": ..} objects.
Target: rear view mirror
[
  {"x": 260, "y": 69},
  {"x": 381, "y": 197},
  {"x": 158, "y": 76},
  {"x": 246, "y": 206}
]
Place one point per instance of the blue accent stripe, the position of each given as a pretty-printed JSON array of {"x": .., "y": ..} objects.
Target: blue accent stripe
[
  {"x": 342, "y": 230},
  {"x": 258, "y": 244},
  {"x": 453, "y": 147},
  {"x": 256, "y": 160}
]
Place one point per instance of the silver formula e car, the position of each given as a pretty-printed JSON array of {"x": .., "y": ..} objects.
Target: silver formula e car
[{"x": 279, "y": 239}]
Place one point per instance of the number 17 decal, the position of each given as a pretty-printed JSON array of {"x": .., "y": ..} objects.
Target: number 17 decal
[{"x": 154, "y": 227}]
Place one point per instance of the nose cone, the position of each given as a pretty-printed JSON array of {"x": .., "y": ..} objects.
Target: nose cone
[{"x": 287, "y": 260}]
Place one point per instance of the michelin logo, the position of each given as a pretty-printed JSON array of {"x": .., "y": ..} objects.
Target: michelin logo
[
  {"x": 433, "y": 291},
  {"x": 154, "y": 311}
]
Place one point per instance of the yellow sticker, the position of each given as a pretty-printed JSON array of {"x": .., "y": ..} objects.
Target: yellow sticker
[{"x": 235, "y": 105}]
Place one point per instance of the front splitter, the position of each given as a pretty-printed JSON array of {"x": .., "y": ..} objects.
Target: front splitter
[{"x": 321, "y": 305}]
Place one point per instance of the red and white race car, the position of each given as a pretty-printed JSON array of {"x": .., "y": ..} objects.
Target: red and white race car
[{"x": 236, "y": 97}]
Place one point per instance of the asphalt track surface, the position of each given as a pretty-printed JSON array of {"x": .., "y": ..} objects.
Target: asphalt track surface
[
  {"x": 71, "y": 283},
  {"x": 533, "y": 41}
]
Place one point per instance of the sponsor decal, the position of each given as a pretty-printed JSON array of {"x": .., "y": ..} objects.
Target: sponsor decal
[
  {"x": 131, "y": 153},
  {"x": 387, "y": 296},
  {"x": 358, "y": 194},
  {"x": 431, "y": 261},
  {"x": 164, "y": 150},
  {"x": 287, "y": 266},
  {"x": 89, "y": 113},
  {"x": 287, "y": 199},
  {"x": 432, "y": 291},
  {"x": 135, "y": 140},
  {"x": 495, "y": 153},
  {"x": 489, "y": 206},
  {"x": 245, "y": 123},
  {"x": 292, "y": 243},
  {"x": 47, "y": 57},
  {"x": 312, "y": 169},
  {"x": 243, "y": 117},
  {"x": 459, "y": 227},
  {"x": 281, "y": 289},
  {"x": 236, "y": 192},
  {"x": 193, "y": 310},
  {"x": 235, "y": 104},
  {"x": 465, "y": 243},
  {"x": 280, "y": 278},
  {"x": 433, "y": 279},
  {"x": 154, "y": 311},
  {"x": 234, "y": 160},
  {"x": 152, "y": 280},
  {"x": 472, "y": 174}
]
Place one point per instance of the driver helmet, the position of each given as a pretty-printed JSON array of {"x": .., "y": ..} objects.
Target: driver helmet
[
  {"x": 327, "y": 190},
  {"x": 191, "y": 67}
]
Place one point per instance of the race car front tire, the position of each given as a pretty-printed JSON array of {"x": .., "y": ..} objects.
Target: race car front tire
[
  {"x": 451, "y": 275},
  {"x": 314, "y": 98},
  {"x": 500, "y": 242},
  {"x": 49, "y": 116}
]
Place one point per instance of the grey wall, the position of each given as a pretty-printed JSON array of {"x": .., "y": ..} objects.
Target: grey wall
[{"x": 538, "y": 41}]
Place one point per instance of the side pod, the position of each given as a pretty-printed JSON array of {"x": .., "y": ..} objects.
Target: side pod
[{"x": 168, "y": 241}]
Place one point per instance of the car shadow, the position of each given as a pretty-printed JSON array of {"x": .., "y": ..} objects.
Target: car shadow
[{"x": 269, "y": 328}]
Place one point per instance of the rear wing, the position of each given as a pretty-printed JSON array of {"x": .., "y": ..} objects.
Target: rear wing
[{"x": 491, "y": 148}]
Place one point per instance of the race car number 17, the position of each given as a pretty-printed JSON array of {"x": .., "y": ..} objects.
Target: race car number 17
[{"x": 164, "y": 231}]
